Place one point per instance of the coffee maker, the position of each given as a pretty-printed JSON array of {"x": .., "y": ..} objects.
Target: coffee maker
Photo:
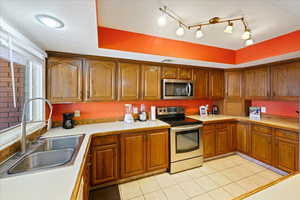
[{"x": 68, "y": 121}]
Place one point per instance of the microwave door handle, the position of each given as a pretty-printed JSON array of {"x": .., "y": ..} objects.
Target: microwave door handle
[{"x": 189, "y": 89}]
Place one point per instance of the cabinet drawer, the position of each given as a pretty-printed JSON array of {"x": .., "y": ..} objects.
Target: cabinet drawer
[
  {"x": 221, "y": 126},
  {"x": 262, "y": 129},
  {"x": 208, "y": 127},
  {"x": 287, "y": 134},
  {"x": 105, "y": 140}
]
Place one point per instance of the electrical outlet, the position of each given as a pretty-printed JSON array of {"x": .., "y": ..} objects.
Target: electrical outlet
[
  {"x": 77, "y": 113},
  {"x": 263, "y": 109}
]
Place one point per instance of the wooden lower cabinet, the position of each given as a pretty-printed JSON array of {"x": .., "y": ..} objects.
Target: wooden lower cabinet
[
  {"x": 243, "y": 138},
  {"x": 221, "y": 141},
  {"x": 133, "y": 154},
  {"x": 104, "y": 163},
  {"x": 286, "y": 152},
  {"x": 157, "y": 150},
  {"x": 262, "y": 146},
  {"x": 209, "y": 143},
  {"x": 231, "y": 141}
]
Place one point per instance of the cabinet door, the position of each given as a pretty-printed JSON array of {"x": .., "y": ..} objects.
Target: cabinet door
[
  {"x": 231, "y": 140},
  {"x": 100, "y": 80},
  {"x": 209, "y": 143},
  {"x": 216, "y": 84},
  {"x": 151, "y": 82},
  {"x": 169, "y": 72},
  {"x": 64, "y": 79},
  {"x": 129, "y": 81},
  {"x": 233, "y": 84},
  {"x": 243, "y": 138},
  {"x": 262, "y": 147},
  {"x": 285, "y": 82},
  {"x": 221, "y": 141},
  {"x": 185, "y": 73},
  {"x": 104, "y": 164},
  {"x": 133, "y": 154},
  {"x": 287, "y": 154},
  {"x": 201, "y": 83},
  {"x": 257, "y": 83},
  {"x": 157, "y": 150}
]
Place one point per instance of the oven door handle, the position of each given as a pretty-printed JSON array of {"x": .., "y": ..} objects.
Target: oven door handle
[{"x": 186, "y": 128}]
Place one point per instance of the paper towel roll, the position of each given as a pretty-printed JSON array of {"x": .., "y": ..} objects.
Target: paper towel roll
[{"x": 153, "y": 113}]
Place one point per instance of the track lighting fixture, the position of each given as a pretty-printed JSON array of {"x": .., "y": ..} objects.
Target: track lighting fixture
[
  {"x": 199, "y": 33},
  {"x": 215, "y": 20},
  {"x": 229, "y": 27},
  {"x": 180, "y": 30},
  {"x": 247, "y": 34},
  {"x": 249, "y": 42}
]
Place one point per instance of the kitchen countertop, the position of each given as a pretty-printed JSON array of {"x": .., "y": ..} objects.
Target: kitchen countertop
[
  {"x": 287, "y": 124},
  {"x": 58, "y": 183}
]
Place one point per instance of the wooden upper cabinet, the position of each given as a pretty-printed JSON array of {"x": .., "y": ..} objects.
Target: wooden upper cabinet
[
  {"x": 257, "y": 83},
  {"x": 185, "y": 73},
  {"x": 285, "y": 81},
  {"x": 157, "y": 150},
  {"x": 216, "y": 84},
  {"x": 64, "y": 79},
  {"x": 151, "y": 82},
  {"x": 100, "y": 80},
  {"x": 169, "y": 72},
  {"x": 201, "y": 83},
  {"x": 128, "y": 81},
  {"x": 233, "y": 84},
  {"x": 133, "y": 154}
]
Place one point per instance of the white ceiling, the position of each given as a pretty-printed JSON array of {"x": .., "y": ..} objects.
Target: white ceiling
[
  {"x": 80, "y": 34},
  {"x": 266, "y": 18}
]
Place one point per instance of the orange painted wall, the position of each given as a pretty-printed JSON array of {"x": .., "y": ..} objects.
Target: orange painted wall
[
  {"x": 274, "y": 47},
  {"x": 116, "y": 109},
  {"x": 141, "y": 43},
  {"x": 281, "y": 108},
  {"x": 135, "y": 42}
]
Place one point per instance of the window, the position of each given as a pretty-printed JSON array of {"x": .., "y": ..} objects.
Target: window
[{"x": 22, "y": 76}]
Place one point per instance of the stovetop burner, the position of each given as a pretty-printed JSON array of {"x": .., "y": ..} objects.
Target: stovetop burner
[
  {"x": 181, "y": 122},
  {"x": 175, "y": 116}
]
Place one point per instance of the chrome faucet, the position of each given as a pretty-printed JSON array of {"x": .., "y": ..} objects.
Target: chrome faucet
[{"x": 24, "y": 122}]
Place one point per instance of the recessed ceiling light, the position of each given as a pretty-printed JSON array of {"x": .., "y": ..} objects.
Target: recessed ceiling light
[{"x": 49, "y": 21}]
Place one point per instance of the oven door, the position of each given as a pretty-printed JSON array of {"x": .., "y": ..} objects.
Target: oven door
[
  {"x": 177, "y": 89},
  {"x": 186, "y": 142}
]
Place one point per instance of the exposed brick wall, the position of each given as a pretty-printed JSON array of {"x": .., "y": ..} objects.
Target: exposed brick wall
[{"x": 10, "y": 116}]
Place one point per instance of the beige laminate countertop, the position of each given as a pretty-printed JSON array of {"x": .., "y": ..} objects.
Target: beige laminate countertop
[
  {"x": 58, "y": 183},
  {"x": 276, "y": 123}
]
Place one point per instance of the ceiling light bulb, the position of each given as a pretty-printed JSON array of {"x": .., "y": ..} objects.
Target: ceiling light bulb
[
  {"x": 49, "y": 21},
  {"x": 199, "y": 33},
  {"x": 229, "y": 28},
  {"x": 162, "y": 20},
  {"x": 180, "y": 31},
  {"x": 246, "y": 35},
  {"x": 249, "y": 42}
]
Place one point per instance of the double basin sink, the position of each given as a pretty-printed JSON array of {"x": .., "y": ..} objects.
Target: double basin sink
[{"x": 46, "y": 153}]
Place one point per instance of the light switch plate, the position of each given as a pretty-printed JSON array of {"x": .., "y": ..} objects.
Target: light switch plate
[
  {"x": 263, "y": 109},
  {"x": 77, "y": 113}
]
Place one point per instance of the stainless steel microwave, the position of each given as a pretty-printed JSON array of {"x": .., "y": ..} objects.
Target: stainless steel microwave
[{"x": 177, "y": 89}]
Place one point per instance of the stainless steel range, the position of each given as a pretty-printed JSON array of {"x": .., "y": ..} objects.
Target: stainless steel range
[{"x": 186, "y": 146}]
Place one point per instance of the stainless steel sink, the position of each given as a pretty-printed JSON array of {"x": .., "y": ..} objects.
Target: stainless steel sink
[
  {"x": 44, "y": 154},
  {"x": 56, "y": 143},
  {"x": 42, "y": 160}
]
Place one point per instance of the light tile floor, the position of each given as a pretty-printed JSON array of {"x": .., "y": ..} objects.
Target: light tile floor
[{"x": 221, "y": 179}]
